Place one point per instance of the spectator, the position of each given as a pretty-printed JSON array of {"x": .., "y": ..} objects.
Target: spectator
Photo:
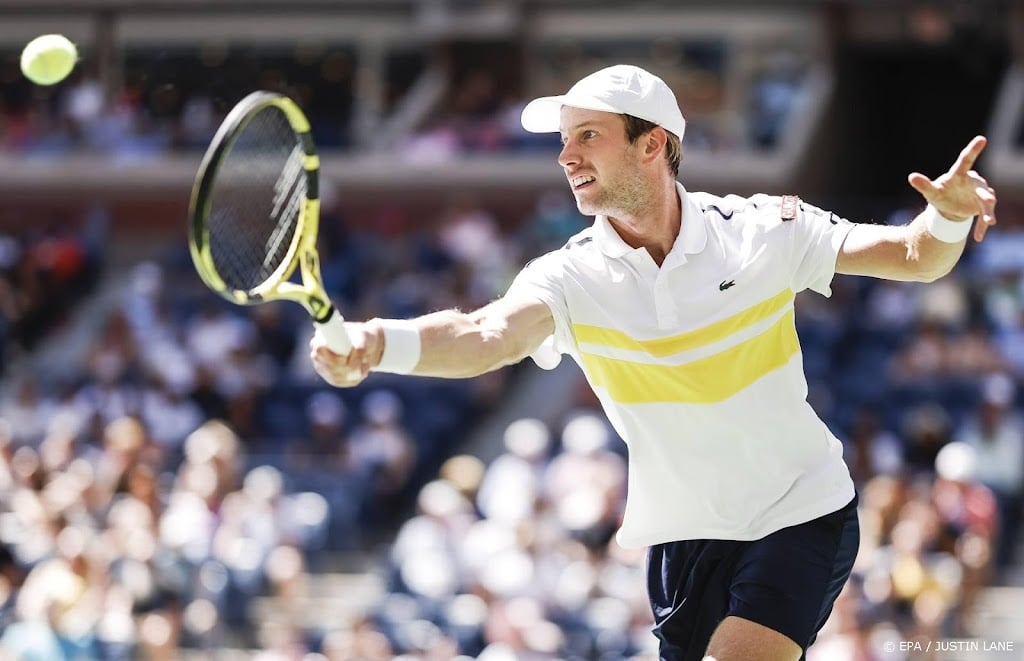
[
  {"x": 27, "y": 411},
  {"x": 925, "y": 356},
  {"x": 872, "y": 449},
  {"x": 995, "y": 436},
  {"x": 554, "y": 221},
  {"x": 513, "y": 483},
  {"x": 972, "y": 354},
  {"x": 926, "y": 430},
  {"x": 585, "y": 483},
  {"x": 326, "y": 443},
  {"x": 382, "y": 456}
]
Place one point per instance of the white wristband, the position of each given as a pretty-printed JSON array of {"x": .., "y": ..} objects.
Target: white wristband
[
  {"x": 944, "y": 229},
  {"x": 401, "y": 346}
]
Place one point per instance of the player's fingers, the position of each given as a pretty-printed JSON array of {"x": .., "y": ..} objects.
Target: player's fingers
[
  {"x": 922, "y": 185},
  {"x": 322, "y": 357},
  {"x": 986, "y": 198},
  {"x": 969, "y": 154},
  {"x": 980, "y": 181},
  {"x": 319, "y": 343},
  {"x": 981, "y": 226},
  {"x": 333, "y": 368},
  {"x": 337, "y": 374},
  {"x": 324, "y": 363},
  {"x": 354, "y": 358},
  {"x": 356, "y": 365},
  {"x": 987, "y": 216},
  {"x": 329, "y": 365},
  {"x": 323, "y": 369}
]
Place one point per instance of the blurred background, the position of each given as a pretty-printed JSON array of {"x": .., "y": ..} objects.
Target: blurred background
[{"x": 175, "y": 482}]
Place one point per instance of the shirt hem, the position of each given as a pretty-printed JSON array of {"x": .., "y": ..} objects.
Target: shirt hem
[{"x": 819, "y": 509}]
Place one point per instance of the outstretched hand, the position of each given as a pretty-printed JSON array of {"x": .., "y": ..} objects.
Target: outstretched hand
[
  {"x": 351, "y": 369},
  {"x": 961, "y": 192}
]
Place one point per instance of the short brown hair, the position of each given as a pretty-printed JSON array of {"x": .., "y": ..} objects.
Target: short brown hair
[{"x": 636, "y": 127}]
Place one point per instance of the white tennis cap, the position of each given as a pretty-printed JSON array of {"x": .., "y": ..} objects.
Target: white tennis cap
[{"x": 622, "y": 88}]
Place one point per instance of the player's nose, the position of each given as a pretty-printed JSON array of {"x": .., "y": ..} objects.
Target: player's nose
[{"x": 568, "y": 156}]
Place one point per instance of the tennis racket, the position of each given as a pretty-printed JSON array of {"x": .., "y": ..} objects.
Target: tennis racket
[{"x": 255, "y": 212}]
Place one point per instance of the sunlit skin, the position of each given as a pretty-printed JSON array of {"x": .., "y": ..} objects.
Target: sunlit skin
[
  {"x": 961, "y": 192},
  {"x": 632, "y": 183}
]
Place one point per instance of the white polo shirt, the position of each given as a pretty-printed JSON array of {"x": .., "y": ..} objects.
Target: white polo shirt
[{"x": 698, "y": 366}]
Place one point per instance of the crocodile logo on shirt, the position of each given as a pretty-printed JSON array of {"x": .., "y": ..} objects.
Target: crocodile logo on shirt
[{"x": 722, "y": 286}]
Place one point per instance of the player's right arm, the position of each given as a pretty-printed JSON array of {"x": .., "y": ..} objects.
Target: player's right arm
[{"x": 453, "y": 344}]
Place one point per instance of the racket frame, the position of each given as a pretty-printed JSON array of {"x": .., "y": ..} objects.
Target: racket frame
[{"x": 301, "y": 254}]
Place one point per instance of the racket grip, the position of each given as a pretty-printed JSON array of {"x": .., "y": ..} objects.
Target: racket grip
[{"x": 334, "y": 334}]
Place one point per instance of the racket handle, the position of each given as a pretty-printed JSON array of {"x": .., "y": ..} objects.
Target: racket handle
[{"x": 334, "y": 334}]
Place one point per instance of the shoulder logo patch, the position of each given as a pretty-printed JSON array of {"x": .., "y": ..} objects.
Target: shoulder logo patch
[
  {"x": 790, "y": 204},
  {"x": 725, "y": 284}
]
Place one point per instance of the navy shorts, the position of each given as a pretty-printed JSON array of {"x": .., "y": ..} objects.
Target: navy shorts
[{"x": 786, "y": 581}]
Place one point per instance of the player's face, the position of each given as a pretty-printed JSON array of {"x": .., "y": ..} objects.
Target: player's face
[{"x": 600, "y": 163}]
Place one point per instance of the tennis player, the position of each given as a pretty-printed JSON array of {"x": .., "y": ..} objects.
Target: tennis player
[{"x": 678, "y": 307}]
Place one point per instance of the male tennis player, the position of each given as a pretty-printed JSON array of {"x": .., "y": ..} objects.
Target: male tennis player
[{"x": 678, "y": 306}]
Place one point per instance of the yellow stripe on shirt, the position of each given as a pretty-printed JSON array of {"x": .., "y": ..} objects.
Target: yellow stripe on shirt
[
  {"x": 704, "y": 381},
  {"x": 673, "y": 344}
]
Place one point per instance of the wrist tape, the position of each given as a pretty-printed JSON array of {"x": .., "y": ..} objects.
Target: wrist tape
[
  {"x": 401, "y": 346},
  {"x": 944, "y": 229}
]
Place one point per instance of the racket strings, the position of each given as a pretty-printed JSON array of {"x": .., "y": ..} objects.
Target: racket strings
[{"x": 256, "y": 201}]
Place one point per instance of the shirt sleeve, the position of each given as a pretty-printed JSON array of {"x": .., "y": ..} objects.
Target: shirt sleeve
[
  {"x": 817, "y": 236},
  {"x": 543, "y": 279}
]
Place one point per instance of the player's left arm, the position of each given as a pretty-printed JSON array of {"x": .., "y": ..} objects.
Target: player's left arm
[{"x": 911, "y": 251}]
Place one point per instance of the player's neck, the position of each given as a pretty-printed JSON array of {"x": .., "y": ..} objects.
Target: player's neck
[{"x": 654, "y": 227}]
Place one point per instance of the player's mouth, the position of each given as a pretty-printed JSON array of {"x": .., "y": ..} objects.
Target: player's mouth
[{"x": 581, "y": 181}]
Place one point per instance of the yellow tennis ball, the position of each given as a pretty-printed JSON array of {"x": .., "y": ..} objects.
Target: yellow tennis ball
[{"x": 48, "y": 59}]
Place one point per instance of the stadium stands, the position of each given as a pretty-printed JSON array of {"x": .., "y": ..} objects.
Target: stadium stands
[{"x": 179, "y": 481}]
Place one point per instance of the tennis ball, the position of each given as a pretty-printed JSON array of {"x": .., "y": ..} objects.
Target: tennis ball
[{"x": 48, "y": 59}]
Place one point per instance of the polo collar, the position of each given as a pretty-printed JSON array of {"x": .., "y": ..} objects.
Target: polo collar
[{"x": 693, "y": 235}]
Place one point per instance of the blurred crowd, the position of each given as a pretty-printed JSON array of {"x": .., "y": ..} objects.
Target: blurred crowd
[
  {"x": 517, "y": 560},
  {"x": 189, "y": 460},
  {"x": 44, "y": 272},
  {"x": 435, "y": 105},
  {"x": 110, "y": 554}
]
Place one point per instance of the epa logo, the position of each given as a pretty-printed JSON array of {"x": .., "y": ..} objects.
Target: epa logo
[{"x": 950, "y": 646}]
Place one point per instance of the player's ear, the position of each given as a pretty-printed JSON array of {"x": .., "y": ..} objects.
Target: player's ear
[{"x": 654, "y": 142}]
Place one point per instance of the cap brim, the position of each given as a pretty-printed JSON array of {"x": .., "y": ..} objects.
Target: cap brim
[{"x": 543, "y": 115}]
